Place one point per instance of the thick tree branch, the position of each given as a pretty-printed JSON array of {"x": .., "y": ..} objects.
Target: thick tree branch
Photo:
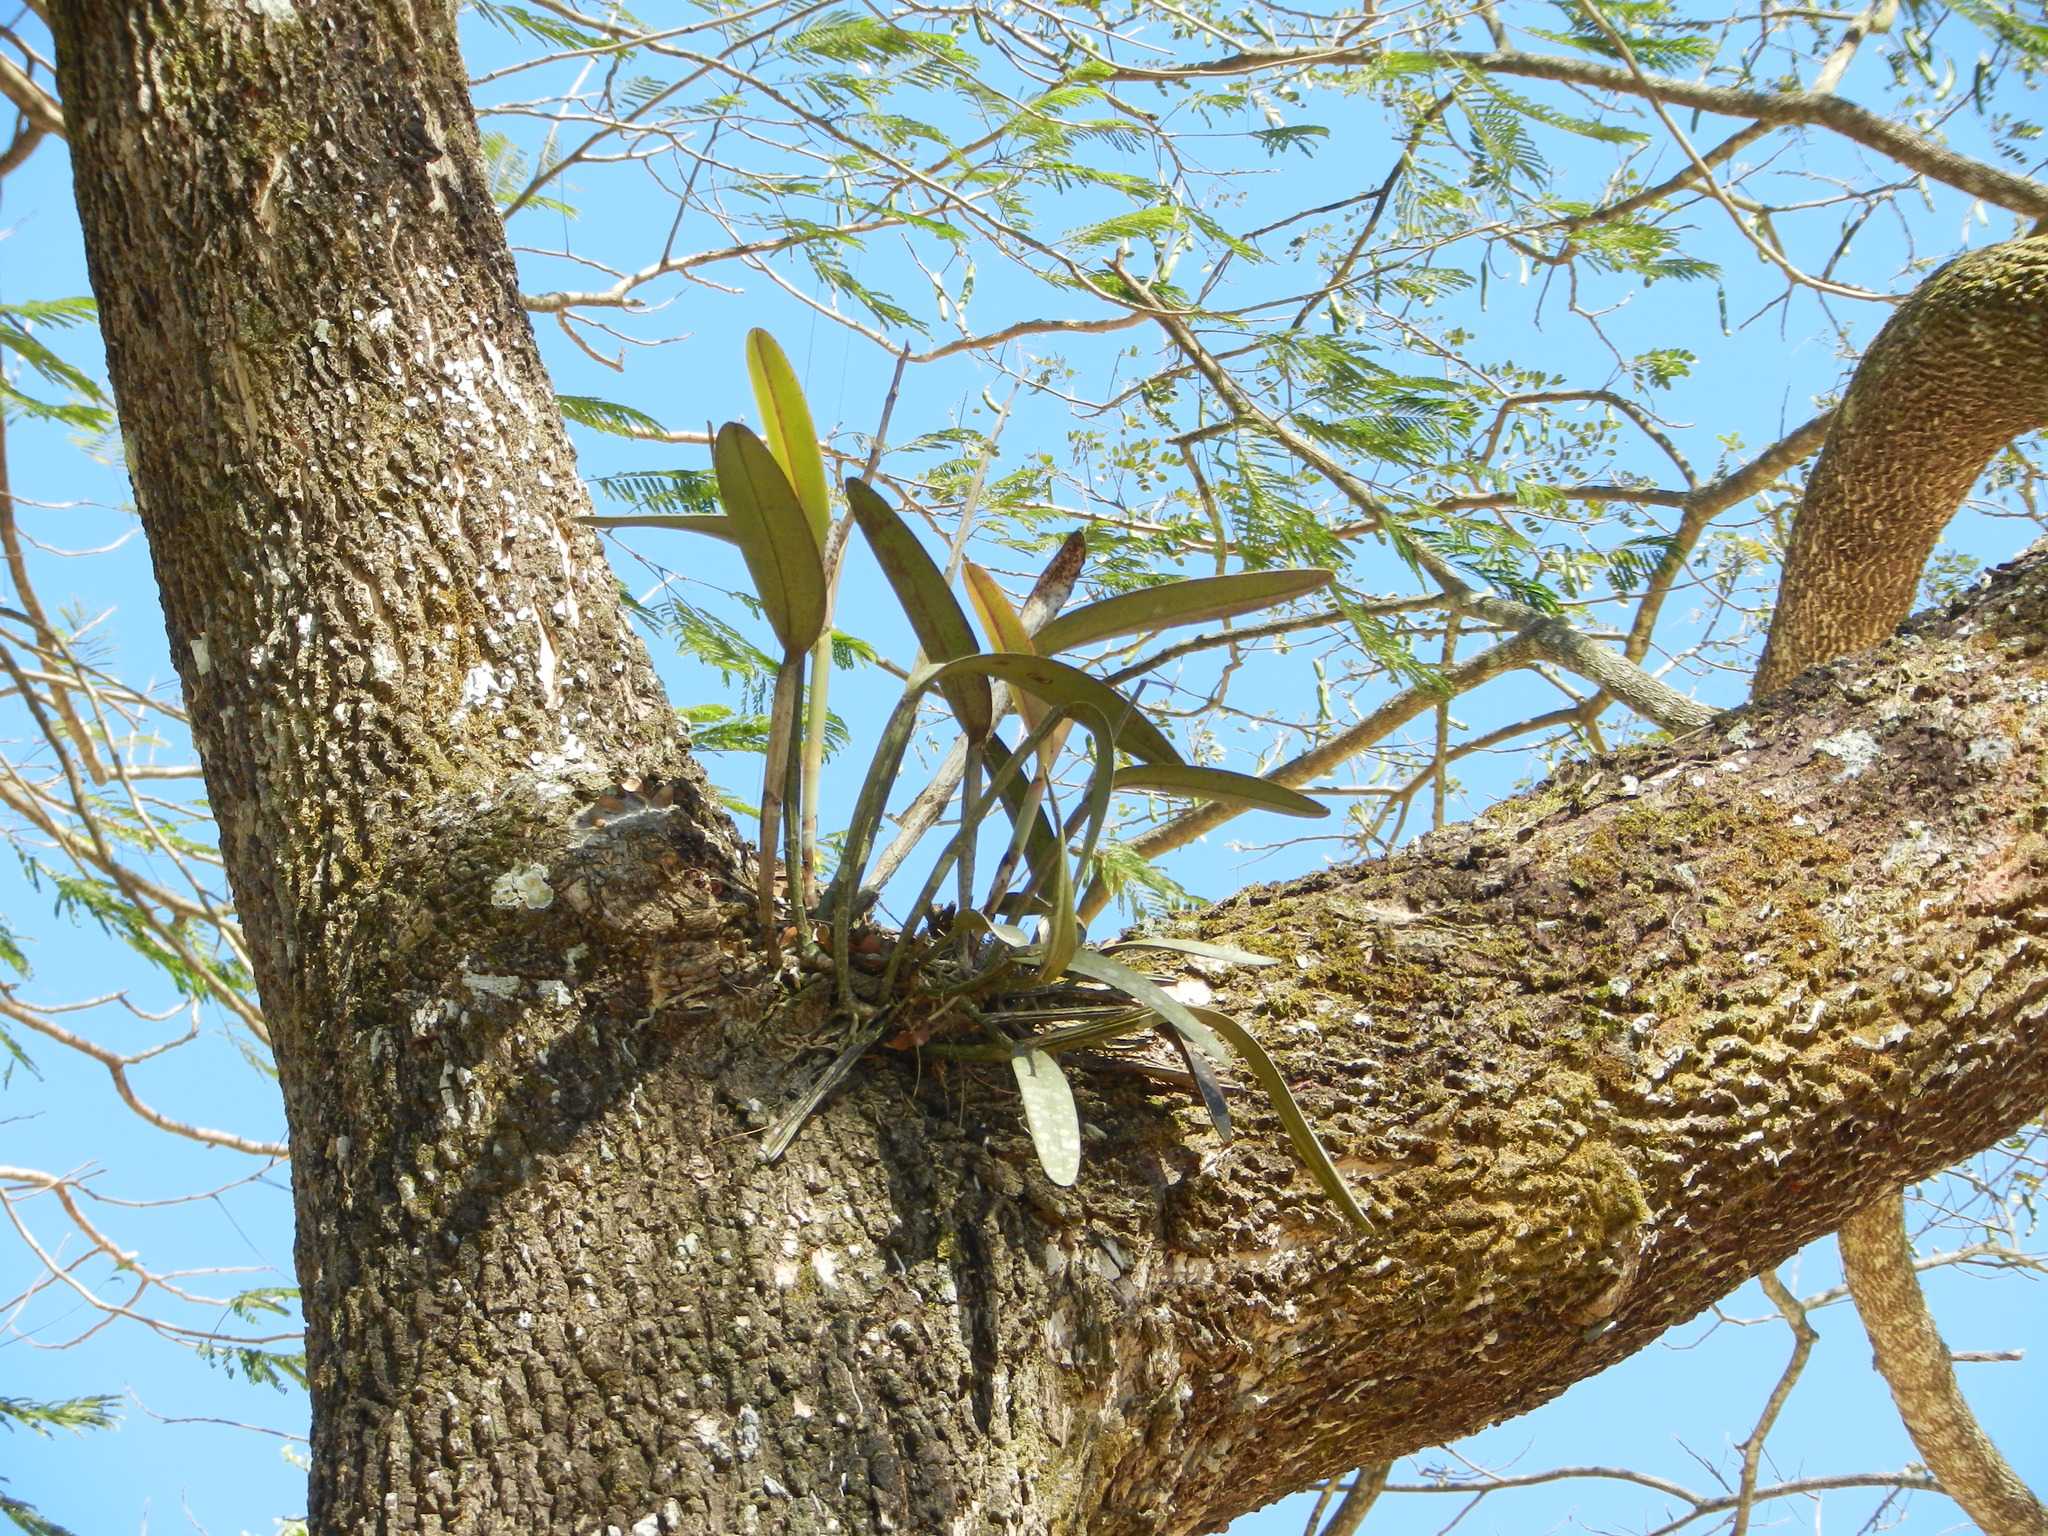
[
  {"x": 1932, "y": 401},
  {"x": 1871, "y": 794}
]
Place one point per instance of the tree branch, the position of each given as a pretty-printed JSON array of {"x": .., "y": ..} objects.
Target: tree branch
[
  {"x": 1877, "y": 1257},
  {"x": 37, "y": 105}
]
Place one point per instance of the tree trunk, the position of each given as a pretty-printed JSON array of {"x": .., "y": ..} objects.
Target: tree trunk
[{"x": 1593, "y": 1060}]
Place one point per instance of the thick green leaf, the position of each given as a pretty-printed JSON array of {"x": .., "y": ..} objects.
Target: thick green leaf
[
  {"x": 1306, "y": 1146},
  {"x": 791, "y": 436},
  {"x": 713, "y": 527},
  {"x": 774, "y": 534},
  {"x": 1221, "y": 785},
  {"x": 1197, "y": 1036},
  {"x": 935, "y": 615},
  {"x": 1049, "y": 1112},
  {"x": 1178, "y": 602},
  {"x": 1071, "y": 688},
  {"x": 1209, "y": 951}
]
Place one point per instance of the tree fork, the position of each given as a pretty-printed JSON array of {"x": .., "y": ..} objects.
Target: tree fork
[{"x": 1593, "y": 1060}]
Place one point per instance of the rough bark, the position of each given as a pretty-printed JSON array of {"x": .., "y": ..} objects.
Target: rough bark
[
  {"x": 1877, "y": 1258},
  {"x": 1593, "y": 1059},
  {"x": 1954, "y": 377},
  {"x": 1958, "y": 372}
]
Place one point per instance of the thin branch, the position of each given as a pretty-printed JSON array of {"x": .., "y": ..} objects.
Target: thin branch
[{"x": 1780, "y": 109}]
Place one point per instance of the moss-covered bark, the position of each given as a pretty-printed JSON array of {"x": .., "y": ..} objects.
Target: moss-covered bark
[{"x": 1592, "y": 1060}]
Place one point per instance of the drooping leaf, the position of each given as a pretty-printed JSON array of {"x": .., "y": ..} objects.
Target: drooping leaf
[
  {"x": 934, "y": 614},
  {"x": 1070, "y": 687},
  {"x": 774, "y": 535},
  {"x": 1222, "y": 785},
  {"x": 678, "y": 522},
  {"x": 1049, "y": 1112},
  {"x": 792, "y": 437},
  {"x": 1178, "y": 602},
  {"x": 1200, "y": 947},
  {"x": 1186, "y": 1026},
  {"x": 1306, "y": 1146}
]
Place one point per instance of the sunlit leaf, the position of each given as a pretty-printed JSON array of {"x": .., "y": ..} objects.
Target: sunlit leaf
[
  {"x": 1223, "y": 786},
  {"x": 935, "y": 615},
  {"x": 1049, "y": 1112},
  {"x": 1178, "y": 602},
  {"x": 774, "y": 535},
  {"x": 786, "y": 418},
  {"x": 1005, "y": 630}
]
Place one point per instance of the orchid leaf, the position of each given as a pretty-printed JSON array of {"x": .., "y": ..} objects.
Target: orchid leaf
[
  {"x": 774, "y": 535},
  {"x": 786, "y": 423},
  {"x": 1200, "y": 947},
  {"x": 935, "y": 615},
  {"x": 1175, "y": 603},
  {"x": 1050, "y": 1114},
  {"x": 1071, "y": 688},
  {"x": 1306, "y": 1146},
  {"x": 1203, "y": 1046},
  {"x": 679, "y": 522},
  {"x": 1221, "y": 785}
]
